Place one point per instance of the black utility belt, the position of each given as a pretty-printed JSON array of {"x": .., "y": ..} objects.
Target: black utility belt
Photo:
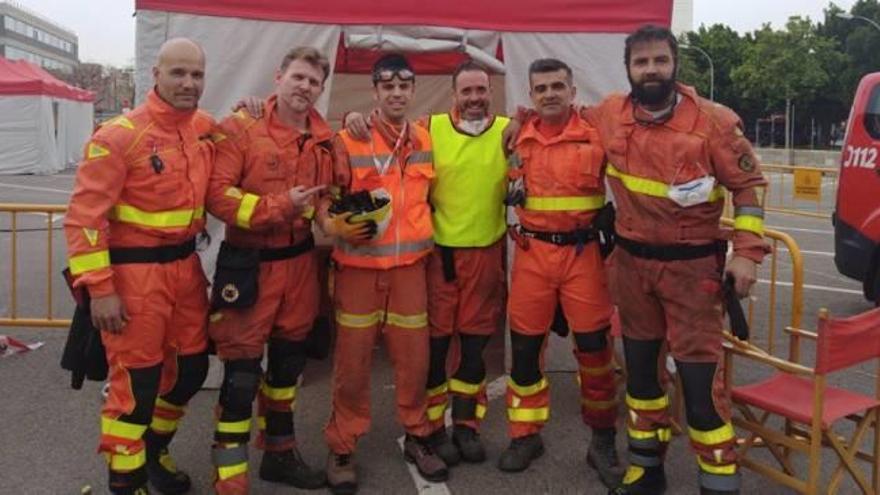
[
  {"x": 287, "y": 252},
  {"x": 570, "y": 238},
  {"x": 158, "y": 254},
  {"x": 671, "y": 252}
]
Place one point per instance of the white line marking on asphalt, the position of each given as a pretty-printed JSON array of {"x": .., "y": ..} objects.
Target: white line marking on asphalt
[
  {"x": 840, "y": 290},
  {"x": 34, "y": 188},
  {"x": 804, "y": 251},
  {"x": 495, "y": 389},
  {"x": 799, "y": 229}
]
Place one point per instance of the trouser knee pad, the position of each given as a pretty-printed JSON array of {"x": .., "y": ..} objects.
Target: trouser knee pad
[
  {"x": 287, "y": 360},
  {"x": 144, "y": 390},
  {"x": 192, "y": 370},
  {"x": 592, "y": 341},
  {"x": 471, "y": 368},
  {"x": 642, "y": 360},
  {"x": 437, "y": 364},
  {"x": 526, "y": 358},
  {"x": 697, "y": 380}
]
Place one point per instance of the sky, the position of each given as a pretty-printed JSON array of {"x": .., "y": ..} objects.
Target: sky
[{"x": 106, "y": 27}]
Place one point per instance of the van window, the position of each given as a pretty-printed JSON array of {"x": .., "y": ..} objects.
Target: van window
[{"x": 872, "y": 113}]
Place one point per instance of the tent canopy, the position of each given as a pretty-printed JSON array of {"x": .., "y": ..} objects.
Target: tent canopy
[
  {"x": 20, "y": 77},
  {"x": 598, "y": 16}
]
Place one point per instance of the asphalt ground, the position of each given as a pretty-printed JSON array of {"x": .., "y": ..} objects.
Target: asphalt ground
[{"x": 48, "y": 432}]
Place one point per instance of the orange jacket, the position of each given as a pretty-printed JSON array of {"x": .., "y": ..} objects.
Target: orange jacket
[
  {"x": 141, "y": 183},
  {"x": 258, "y": 162},
  {"x": 643, "y": 159},
  {"x": 409, "y": 235},
  {"x": 563, "y": 176}
]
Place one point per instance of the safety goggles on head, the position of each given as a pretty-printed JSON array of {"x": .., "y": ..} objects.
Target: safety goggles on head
[{"x": 386, "y": 75}]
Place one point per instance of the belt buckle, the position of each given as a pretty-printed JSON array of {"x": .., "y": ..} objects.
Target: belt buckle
[{"x": 556, "y": 238}]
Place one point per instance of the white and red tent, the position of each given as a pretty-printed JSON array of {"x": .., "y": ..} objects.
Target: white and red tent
[
  {"x": 246, "y": 39},
  {"x": 43, "y": 121}
]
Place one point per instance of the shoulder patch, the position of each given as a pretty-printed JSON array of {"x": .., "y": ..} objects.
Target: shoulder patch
[
  {"x": 96, "y": 151},
  {"x": 216, "y": 137},
  {"x": 91, "y": 235},
  {"x": 746, "y": 163},
  {"x": 241, "y": 114},
  {"x": 121, "y": 121}
]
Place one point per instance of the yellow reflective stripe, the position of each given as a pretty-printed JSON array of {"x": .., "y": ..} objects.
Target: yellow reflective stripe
[
  {"x": 528, "y": 390},
  {"x": 662, "y": 434},
  {"x": 461, "y": 387},
  {"x": 159, "y": 219},
  {"x": 242, "y": 426},
  {"x": 125, "y": 463},
  {"x": 481, "y": 411},
  {"x": 226, "y": 472},
  {"x": 121, "y": 429},
  {"x": 525, "y": 415},
  {"x": 599, "y": 404},
  {"x": 749, "y": 223},
  {"x": 352, "y": 320},
  {"x": 436, "y": 412},
  {"x": 729, "y": 469},
  {"x": 89, "y": 262},
  {"x": 309, "y": 212},
  {"x": 565, "y": 203},
  {"x": 280, "y": 393},
  {"x": 717, "y": 436},
  {"x": 167, "y": 405},
  {"x": 661, "y": 402},
  {"x": 633, "y": 474},
  {"x": 651, "y": 187},
  {"x": 439, "y": 389},
  {"x": 601, "y": 370},
  {"x": 261, "y": 422},
  {"x": 163, "y": 425},
  {"x": 407, "y": 321},
  {"x": 246, "y": 210}
]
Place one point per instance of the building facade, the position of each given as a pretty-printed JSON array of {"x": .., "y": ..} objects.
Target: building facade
[
  {"x": 26, "y": 35},
  {"x": 682, "y": 16}
]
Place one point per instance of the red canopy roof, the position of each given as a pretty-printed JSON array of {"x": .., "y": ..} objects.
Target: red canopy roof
[
  {"x": 19, "y": 77},
  {"x": 595, "y": 16}
]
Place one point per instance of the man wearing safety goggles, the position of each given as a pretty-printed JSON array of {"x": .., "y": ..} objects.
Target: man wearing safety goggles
[{"x": 379, "y": 275}]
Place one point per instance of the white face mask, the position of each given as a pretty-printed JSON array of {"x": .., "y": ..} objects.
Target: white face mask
[{"x": 692, "y": 193}]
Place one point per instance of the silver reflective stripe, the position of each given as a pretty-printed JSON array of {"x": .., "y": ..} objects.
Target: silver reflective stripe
[
  {"x": 278, "y": 439},
  {"x": 387, "y": 249},
  {"x": 720, "y": 482},
  {"x": 229, "y": 457},
  {"x": 420, "y": 157},
  {"x": 753, "y": 211},
  {"x": 644, "y": 460},
  {"x": 514, "y": 161},
  {"x": 644, "y": 443},
  {"x": 366, "y": 161}
]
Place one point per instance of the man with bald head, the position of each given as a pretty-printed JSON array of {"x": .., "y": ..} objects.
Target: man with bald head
[{"x": 131, "y": 229}]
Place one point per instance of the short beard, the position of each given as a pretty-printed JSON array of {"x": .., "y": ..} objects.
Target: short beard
[{"x": 654, "y": 95}]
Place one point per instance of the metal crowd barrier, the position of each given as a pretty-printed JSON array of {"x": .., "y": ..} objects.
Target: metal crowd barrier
[
  {"x": 797, "y": 190},
  {"x": 13, "y": 212}
]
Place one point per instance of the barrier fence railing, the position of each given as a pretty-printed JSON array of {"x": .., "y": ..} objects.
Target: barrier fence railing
[
  {"x": 798, "y": 190},
  {"x": 13, "y": 213}
]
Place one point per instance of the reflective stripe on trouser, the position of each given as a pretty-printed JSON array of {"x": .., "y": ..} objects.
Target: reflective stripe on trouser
[
  {"x": 648, "y": 430},
  {"x": 716, "y": 456},
  {"x": 438, "y": 402},
  {"x": 469, "y": 402},
  {"x": 122, "y": 444},
  {"x": 598, "y": 388},
  {"x": 166, "y": 417},
  {"x": 231, "y": 462},
  {"x": 275, "y": 407},
  {"x": 528, "y": 407}
]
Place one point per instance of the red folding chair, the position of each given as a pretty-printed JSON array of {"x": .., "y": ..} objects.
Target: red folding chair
[{"x": 810, "y": 407}]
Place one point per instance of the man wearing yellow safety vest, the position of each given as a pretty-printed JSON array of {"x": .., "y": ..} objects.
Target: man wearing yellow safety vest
[
  {"x": 379, "y": 278},
  {"x": 466, "y": 280},
  {"x": 136, "y": 209}
]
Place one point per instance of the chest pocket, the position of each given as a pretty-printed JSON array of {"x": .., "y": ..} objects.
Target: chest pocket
[
  {"x": 159, "y": 171},
  {"x": 692, "y": 159},
  {"x": 585, "y": 175}
]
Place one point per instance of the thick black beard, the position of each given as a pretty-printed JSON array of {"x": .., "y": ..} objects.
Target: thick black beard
[{"x": 652, "y": 95}]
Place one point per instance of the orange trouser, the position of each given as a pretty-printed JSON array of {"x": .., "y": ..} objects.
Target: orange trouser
[
  {"x": 370, "y": 302},
  {"x": 545, "y": 275},
  {"x": 167, "y": 307},
  {"x": 286, "y": 308},
  {"x": 678, "y": 302}
]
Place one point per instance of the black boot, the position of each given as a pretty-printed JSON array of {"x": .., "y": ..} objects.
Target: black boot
[
  {"x": 641, "y": 481},
  {"x": 520, "y": 453},
  {"x": 469, "y": 445},
  {"x": 443, "y": 447},
  {"x": 602, "y": 456},
  {"x": 132, "y": 483},
  {"x": 288, "y": 467},
  {"x": 719, "y": 484},
  {"x": 163, "y": 474}
]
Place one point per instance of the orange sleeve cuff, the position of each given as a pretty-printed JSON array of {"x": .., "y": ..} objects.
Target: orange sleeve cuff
[{"x": 102, "y": 288}]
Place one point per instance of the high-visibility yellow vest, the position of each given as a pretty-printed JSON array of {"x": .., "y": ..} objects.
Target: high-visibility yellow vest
[
  {"x": 470, "y": 184},
  {"x": 408, "y": 236}
]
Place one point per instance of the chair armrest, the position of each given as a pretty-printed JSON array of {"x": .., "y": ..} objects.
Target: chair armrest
[
  {"x": 745, "y": 349},
  {"x": 802, "y": 333}
]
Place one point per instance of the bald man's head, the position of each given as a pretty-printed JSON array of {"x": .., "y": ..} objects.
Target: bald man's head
[{"x": 179, "y": 73}]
